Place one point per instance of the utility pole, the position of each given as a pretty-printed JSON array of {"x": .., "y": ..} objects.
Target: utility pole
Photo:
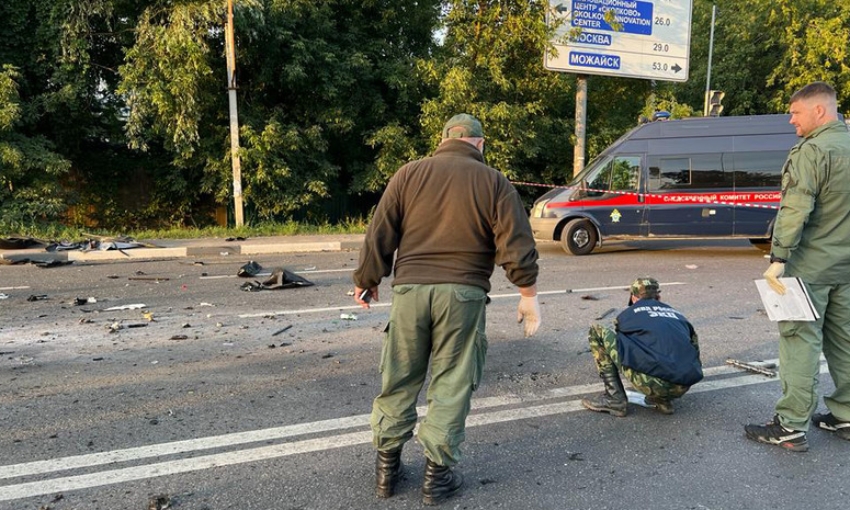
[
  {"x": 230, "y": 49},
  {"x": 581, "y": 123},
  {"x": 705, "y": 110}
]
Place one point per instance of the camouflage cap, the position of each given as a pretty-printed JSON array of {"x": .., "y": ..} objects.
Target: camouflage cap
[
  {"x": 645, "y": 287},
  {"x": 463, "y": 125}
]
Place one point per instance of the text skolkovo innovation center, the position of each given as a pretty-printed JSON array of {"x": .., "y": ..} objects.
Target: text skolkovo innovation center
[{"x": 649, "y": 38}]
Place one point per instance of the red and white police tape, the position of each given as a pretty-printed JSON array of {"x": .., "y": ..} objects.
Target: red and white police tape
[{"x": 723, "y": 198}]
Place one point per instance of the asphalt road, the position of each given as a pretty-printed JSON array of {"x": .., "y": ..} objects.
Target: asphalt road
[{"x": 209, "y": 397}]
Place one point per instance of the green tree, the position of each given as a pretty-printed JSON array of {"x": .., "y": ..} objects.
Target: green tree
[
  {"x": 29, "y": 167},
  {"x": 490, "y": 64},
  {"x": 316, "y": 79},
  {"x": 764, "y": 50}
]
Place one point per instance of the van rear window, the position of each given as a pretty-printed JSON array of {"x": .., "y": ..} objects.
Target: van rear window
[{"x": 758, "y": 169}]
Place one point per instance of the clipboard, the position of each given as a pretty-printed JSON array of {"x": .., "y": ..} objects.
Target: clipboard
[{"x": 794, "y": 305}]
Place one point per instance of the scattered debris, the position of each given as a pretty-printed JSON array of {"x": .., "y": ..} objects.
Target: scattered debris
[
  {"x": 179, "y": 337},
  {"x": 160, "y": 502},
  {"x": 51, "y": 263},
  {"x": 4, "y": 296},
  {"x": 148, "y": 316},
  {"x": 249, "y": 270},
  {"x": 348, "y": 316},
  {"x": 206, "y": 304},
  {"x": 84, "y": 301},
  {"x": 691, "y": 266},
  {"x": 97, "y": 359},
  {"x": 149, "y": 278},
  {"x": 282, "y": 330},
  {"x": 328, "y": 355},
  {"x": 135, "y": 306},
  {"x": 239, "y": 238},
  {"x": 85, "y": 320},
  {"x": 758, "y": 367},
  {"x": 20, "y": 243},
  {"x": 590, "y": 297},
  {"x": 349, "y": 293},
  {"x": 574, "y": 456},
  {"x": 280, "y": 279},
  {"x": 37, "y": 297}
]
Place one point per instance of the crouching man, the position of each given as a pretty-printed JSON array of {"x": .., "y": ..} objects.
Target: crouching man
[{"x": 655, "y": 347}]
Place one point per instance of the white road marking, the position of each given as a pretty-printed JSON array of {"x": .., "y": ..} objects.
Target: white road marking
[
  {"x": 381, "y": 305},
  {"x": 478, "y": 417}
]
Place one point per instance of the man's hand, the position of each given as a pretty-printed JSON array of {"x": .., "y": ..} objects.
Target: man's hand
[
  {"x": 359, "y": 295},
  {"x": 528, "y": 312},
  {"x": 773, "y": 274}
]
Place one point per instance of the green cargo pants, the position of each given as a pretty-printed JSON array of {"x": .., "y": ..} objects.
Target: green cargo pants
[
  {"x": 603, "y": 346},
  {"x": 800, "y": 345},
  {"x": 443, "y": 323}
]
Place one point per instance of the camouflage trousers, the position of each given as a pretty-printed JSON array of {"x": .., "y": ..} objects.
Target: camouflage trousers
[{"x": 603, "y": 346}]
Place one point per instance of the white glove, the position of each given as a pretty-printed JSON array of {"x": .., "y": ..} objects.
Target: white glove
[
  {"x": 773, "y": 274},
  {"x": 528, "y": 314}
]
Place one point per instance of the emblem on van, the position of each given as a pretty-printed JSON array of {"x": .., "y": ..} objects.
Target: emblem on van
[{"x": 615, "y": 216}]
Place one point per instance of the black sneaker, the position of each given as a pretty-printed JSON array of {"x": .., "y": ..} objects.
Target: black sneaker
[
  {"x": 775, "y": 433},
  {"x": 833, "y": 424}
]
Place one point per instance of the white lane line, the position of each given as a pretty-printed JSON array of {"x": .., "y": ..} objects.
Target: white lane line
[
  {"x": 15, "y": 288},
  {"x": 381, "y": 305},
  {"x": 39, "y": 488},
  {"x": 254, "y": 436}
]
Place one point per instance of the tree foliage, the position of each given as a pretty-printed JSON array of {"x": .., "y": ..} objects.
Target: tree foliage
[{"x": 115, "y": 112}]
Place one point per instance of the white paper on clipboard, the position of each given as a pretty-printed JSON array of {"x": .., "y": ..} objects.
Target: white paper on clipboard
[{"x": 794, "y": 305}]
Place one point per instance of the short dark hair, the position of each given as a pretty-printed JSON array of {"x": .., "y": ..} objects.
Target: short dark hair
[{"x": 812, "y": 90}]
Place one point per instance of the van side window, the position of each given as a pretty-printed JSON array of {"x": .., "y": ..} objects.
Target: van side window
[
  {"x": 699, "y": 171},
  {"x": 619, "y": 174},
  {"x": 669, "y": 173},
  {"x": 759, "y": 169}
]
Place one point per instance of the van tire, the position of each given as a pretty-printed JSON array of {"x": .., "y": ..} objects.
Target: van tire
[{"x": 579, "y": 237}]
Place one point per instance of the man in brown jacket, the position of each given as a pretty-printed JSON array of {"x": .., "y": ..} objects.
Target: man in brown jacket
[{"x": 448, "y": 219}]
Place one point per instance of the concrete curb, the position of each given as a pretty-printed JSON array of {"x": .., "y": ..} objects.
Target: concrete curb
[{"x": 192, "y": 248}]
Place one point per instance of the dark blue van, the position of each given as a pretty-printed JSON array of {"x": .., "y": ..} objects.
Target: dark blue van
[{"x": 702, "y": 177}]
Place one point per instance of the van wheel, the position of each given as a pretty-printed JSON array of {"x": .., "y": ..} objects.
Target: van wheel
[{"x": 579, "y": 237}]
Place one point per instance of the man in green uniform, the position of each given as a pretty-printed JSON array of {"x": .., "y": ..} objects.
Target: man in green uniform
[
  {"x": 654, "y": 345},
  {"x": 448, "y": 219},
  {"x": 811, "y": 241}
]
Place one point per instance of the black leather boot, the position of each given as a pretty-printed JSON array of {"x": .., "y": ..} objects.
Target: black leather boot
[
  {"x": 614, "y": 399},
  {"x": 387, "y": 470},
  {"x": 440, "y": 483}
]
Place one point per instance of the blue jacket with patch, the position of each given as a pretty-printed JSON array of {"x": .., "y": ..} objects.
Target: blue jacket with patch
[{"x": 655, "y": 339}]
